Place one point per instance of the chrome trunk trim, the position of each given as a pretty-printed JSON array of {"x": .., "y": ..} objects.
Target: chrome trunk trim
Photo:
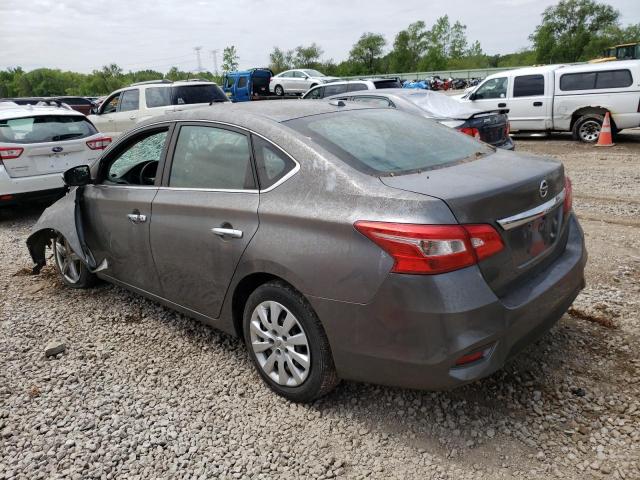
[{"x": 522, "y": 218}]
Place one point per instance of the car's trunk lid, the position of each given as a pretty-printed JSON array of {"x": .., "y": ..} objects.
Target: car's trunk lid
[
  {"x": 494, "y": 188},
  {"x": 50, "y": 157}
]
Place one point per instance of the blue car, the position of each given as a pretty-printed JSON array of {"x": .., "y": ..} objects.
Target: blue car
[{"x": 245, "y": 85}]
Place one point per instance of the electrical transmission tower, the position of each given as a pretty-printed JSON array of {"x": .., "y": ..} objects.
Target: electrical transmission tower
[
  {"x": 197, "y": 49},
  {"x": 214, "y": 55}
]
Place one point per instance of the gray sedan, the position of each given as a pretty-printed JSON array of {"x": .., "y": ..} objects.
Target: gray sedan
[{"x": 340, "y": 242}]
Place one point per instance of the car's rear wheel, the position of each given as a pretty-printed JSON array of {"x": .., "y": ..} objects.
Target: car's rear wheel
[
  {"x": 73, "y": 272},
  {"x": 287, "y": 343},
  {"x": 279, "y": 90},
  {"x": 587, "y": 128}
]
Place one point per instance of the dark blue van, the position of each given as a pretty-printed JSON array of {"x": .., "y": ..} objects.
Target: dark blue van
[{"x": 246, "y": 85}]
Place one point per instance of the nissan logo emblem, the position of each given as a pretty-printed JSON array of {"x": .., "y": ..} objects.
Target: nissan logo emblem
[
  {"x": 57, "y": 149},
  {"x": 544, "y": 188}
]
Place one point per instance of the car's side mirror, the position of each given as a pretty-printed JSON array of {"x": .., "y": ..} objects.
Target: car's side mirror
[
  {"x": 94, "y": 110},
  {"x": 77, "y": 176},
  {"x": 472, "y": 96}
]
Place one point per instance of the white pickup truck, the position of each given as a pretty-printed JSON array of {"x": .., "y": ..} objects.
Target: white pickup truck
[{"x": 571, "y": 98}]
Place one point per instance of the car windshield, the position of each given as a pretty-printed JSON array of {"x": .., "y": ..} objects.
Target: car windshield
[
  {"x": 188, "y": 94},
  {"x": 45, "y": 128},
  {"x": 314, "y": 73},
  {"x": 388, "y": 142}
]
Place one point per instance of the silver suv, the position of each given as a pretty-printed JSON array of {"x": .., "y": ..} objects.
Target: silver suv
[
  {"x": 338, "y": 88},
  {"x": 125, "y": 107}
]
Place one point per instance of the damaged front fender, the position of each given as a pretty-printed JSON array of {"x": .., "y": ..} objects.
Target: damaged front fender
[{"x": 62, "y": 218}]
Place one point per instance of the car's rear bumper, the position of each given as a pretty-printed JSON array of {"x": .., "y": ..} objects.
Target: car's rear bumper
[
  {"x": 418, "y": 326},
  {"x": 20, "y": 189},
  {"x": 506, "y": 145}
]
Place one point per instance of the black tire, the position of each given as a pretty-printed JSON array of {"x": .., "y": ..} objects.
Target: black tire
[
  {"x": 587, "y": 127},
  {"x": 279, "y": 91},
  {"x": 321, "y": 377},
  {"x": 81, "y": 277}
]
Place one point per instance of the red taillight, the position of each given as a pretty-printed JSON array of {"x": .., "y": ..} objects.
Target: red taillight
[
  {"x": 432, "y": 249},
  {"x": 474, "y": 132},
  {"x": 568, "y": 195},
  {"x": 10, "y": 153},
  {"x": 470, "y": 358},
  {"x": 99, "y": 143}
]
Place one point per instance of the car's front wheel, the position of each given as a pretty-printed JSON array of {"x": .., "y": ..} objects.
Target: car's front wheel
[
  {"x": 73, "y": 272},
  {"x": 279, "y": 90},
  {"x": 287, "y": 343}
]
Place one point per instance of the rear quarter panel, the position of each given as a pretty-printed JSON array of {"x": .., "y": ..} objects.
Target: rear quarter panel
[{"x": 306, "y": 233}]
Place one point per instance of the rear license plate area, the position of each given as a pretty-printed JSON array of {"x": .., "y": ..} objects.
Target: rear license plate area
[{"x": 536, "y": 237}]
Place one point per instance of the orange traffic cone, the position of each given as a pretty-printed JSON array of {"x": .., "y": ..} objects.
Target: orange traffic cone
[{"x": 604, "y": 139}]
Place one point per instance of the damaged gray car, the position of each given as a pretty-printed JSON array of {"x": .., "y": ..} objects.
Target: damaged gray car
[{"x": 339, "y": 241}]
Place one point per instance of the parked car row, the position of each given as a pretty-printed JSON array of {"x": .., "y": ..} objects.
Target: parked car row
[{"x": 80, "y": 104}]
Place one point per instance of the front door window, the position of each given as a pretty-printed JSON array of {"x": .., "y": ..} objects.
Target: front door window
[
  {"x": 138, "y": 163},
  {"x": 493, "y": 88}
]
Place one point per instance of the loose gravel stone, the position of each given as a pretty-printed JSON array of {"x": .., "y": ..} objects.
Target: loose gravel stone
[{"x": 54, "y": 348}]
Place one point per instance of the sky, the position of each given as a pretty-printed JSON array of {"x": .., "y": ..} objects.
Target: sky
[{"x": 83, "y": 35}]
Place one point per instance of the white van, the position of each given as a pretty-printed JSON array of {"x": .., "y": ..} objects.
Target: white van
[{"x": 571, "y": 98}]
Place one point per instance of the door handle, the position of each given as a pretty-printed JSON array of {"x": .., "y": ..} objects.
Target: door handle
[
  {"x": 227, "y": 232},
  {"x": 537, "y": 104},
  {"x": 137, "y": 218},
  {"x": 502, "y": 105},
  {"x": 133, "y": 117}
]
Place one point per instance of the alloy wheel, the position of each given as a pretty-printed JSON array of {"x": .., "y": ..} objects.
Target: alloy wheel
[
  {"x": 68, "y": 262},
  {"x": 589, "y": 131},
  {"x": 280, "y": 344}
]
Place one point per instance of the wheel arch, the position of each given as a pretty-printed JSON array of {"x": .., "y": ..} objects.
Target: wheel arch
[
  {"x": 592, "y": 109},
  {"x": 244, "y": 288}
]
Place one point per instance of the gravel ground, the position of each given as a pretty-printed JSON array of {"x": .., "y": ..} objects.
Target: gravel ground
[{"x": 143, "y": 392}]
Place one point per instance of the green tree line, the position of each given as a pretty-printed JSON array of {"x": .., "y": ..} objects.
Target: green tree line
[{"x": 571, "y": 31}]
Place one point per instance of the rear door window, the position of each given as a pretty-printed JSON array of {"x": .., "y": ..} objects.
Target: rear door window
[
  {"x": 45, "y": 128},
  {"x": 315, "y": 93},
  {"x": 158, "y": 97},
  {"x": 130, "y": 100},
  {"x": 528, "y": 86},
  {"x": 271, "y": 162},
  {"x": 189, "y": 94},
  {"x": 331, "y": 89},
  {"x": 355, "y": 87},
  {"x": 211, "y": 158},
  {"x": 242, "y": 82}
]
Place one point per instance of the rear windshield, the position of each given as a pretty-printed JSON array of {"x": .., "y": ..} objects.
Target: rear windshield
[
  {"x": 386, "y": 142},
  {"x": 45, "y": 128},
  {"x": 387, "y": 84},
  {"x": 187, "y": 94}
]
